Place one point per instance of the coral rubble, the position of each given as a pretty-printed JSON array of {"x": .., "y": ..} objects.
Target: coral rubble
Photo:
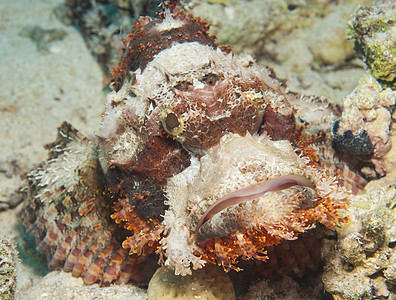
[
  {"x": 59, "y": 285},
  {"x": 365, "y": 125},
  {"x": 303, "y": 41},
  {"x": 361, "y": 263}
]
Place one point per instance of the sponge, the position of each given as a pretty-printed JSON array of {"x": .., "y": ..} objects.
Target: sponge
[{"x": 208, "y": 283}]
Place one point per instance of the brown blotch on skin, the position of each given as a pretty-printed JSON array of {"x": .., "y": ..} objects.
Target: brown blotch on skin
[
  {"x": 146, "y": 197},
  {"x": 160, "y": 158},
  {"x": 214, "y": 118},
  {"x": 278, "y": 126}
]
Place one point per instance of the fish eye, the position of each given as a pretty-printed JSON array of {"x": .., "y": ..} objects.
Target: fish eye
[
  {"x": 210, "y": 79},
  {"x": 171, "y": 121}
]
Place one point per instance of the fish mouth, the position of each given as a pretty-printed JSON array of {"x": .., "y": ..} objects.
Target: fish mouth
[{"x": 255, "y": 191}]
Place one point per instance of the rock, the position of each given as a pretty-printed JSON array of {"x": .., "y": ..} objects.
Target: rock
[
  {"x": 374, "y": 30},
  {"x": 8, "y": 265}
]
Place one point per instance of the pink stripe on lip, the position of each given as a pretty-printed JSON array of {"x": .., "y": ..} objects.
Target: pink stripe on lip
[{"x": 252, "y": 192}]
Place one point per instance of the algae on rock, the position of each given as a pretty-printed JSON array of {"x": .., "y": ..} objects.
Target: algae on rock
[
  {"x": 374, "y": 30},
  {"x": 361, "y": 265}
]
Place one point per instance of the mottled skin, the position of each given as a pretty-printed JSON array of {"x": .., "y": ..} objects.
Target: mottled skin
[{"x": 188, "y": 125}]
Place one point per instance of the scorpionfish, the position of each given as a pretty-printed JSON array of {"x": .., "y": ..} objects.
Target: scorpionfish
[{"x": 200, "y": 159}]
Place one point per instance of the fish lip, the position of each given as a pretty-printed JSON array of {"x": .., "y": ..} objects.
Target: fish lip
[{"x": 253, "y": 192}]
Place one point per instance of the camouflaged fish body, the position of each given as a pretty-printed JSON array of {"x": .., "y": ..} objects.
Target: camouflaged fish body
[{"x": 199, "y": 159}]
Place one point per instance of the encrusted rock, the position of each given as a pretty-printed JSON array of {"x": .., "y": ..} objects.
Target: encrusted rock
[
  {"x": 361, "y": 264},
  {"x": 374, "y": 30},
  {"x": 364, "y": 127},
  {"x": 8, "y": 268}
]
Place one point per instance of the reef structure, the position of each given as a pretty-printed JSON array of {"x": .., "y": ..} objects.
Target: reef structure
[
  {"x": 200, "y": 159},
  {"x": 361, "y": 263}
]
